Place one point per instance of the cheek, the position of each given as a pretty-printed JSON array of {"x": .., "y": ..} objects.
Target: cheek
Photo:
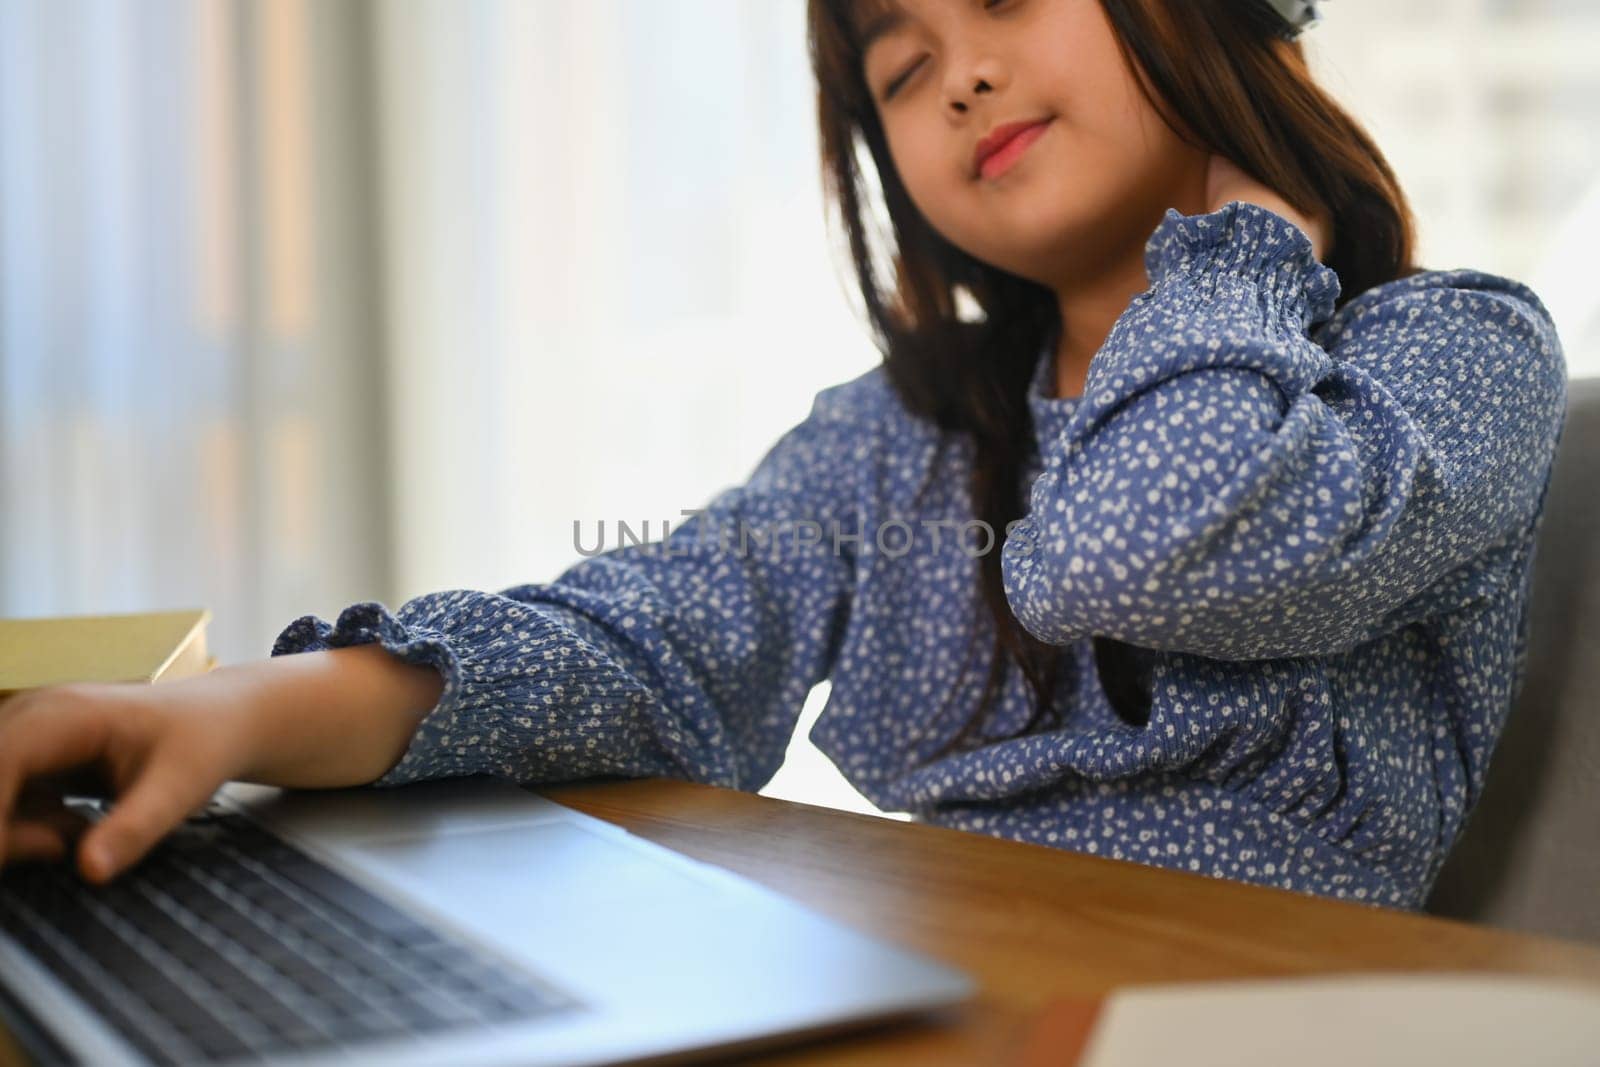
[
  {"x": 1115, "y": 129},
  {"x": 924, "y": 173},
  {"x": 1125, "y": 107}
]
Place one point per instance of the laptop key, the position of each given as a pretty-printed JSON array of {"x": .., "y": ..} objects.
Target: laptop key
[
  {"x": 365, "y": 1023},
  {"x": 443, "y": 1011},
  {"x": 219, "y": 1043},
  {"x": 367, "y": 909}
]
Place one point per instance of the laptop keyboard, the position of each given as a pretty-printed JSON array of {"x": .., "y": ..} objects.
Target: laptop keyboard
[{"x": 228, "y": 942}]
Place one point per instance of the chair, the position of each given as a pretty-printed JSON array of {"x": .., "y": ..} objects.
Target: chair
[{"x": 1528, "y": 857}]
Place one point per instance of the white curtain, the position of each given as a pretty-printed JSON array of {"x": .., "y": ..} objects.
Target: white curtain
[
  {"x": 188, "y": 404},
  {"x": 608, "y": 281}
]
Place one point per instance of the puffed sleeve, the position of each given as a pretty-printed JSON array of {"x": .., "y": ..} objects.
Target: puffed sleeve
[
  {"x": 689, "y": 657},
  {"x": 1229, "y": 488}
]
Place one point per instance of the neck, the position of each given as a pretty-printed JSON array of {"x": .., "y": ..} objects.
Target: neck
[{"x": 1096, "y": 293}]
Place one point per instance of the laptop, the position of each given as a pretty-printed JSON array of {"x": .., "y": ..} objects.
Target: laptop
[{"x": 463, "y": 921}]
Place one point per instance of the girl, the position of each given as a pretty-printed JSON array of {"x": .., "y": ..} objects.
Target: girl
[{"x": 1185, "y": 522}]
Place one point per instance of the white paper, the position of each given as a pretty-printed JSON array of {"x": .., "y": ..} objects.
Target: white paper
[{"x": 1370, "y": 1020}]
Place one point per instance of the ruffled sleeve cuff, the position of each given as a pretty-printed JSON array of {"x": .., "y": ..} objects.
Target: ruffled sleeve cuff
[
  {"x": 484, "y": 648},
  {"x": 1244, "y": 243},
  {"x": 372, "y": 623}
]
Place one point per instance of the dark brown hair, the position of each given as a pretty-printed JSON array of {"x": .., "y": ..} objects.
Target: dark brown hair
[{"x": 1240, "y": 91}]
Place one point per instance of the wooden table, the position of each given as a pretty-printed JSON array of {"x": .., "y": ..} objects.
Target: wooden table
[{"x": 1032, "y": 923}]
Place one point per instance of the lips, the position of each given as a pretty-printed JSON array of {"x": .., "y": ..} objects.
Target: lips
[{"x": 997, "y": 138}]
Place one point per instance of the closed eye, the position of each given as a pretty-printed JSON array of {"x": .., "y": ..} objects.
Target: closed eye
[
  {"x": 905, "y": 75},
  {"x": 894, "y": 86}
]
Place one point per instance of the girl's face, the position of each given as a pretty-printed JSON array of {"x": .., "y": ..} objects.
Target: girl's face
[{"x": 1086, "y": 193}]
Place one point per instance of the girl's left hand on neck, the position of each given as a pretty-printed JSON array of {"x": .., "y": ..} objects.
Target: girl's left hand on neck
[{"x": 1225, "y": 183}]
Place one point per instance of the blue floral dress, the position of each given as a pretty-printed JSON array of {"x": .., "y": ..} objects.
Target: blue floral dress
[{"x": 1316, "y": 528}]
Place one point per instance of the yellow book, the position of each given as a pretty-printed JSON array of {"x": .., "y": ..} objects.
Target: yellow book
[{"x": 155, "y": 646}]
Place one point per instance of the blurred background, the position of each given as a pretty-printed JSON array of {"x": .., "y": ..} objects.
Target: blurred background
[{"x": 306, "y": 302}]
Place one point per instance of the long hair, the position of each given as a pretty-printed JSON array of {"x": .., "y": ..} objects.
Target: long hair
[{"x": 1242, "y": 92}]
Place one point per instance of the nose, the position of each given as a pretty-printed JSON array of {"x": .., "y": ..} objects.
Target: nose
[{"x": 960, "y": 105}]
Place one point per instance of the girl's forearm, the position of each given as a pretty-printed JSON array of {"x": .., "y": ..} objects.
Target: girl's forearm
[{"x": 329, "y": 719}]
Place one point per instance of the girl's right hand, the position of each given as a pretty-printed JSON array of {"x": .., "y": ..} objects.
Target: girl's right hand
[{"x": 160, "y": 750}]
